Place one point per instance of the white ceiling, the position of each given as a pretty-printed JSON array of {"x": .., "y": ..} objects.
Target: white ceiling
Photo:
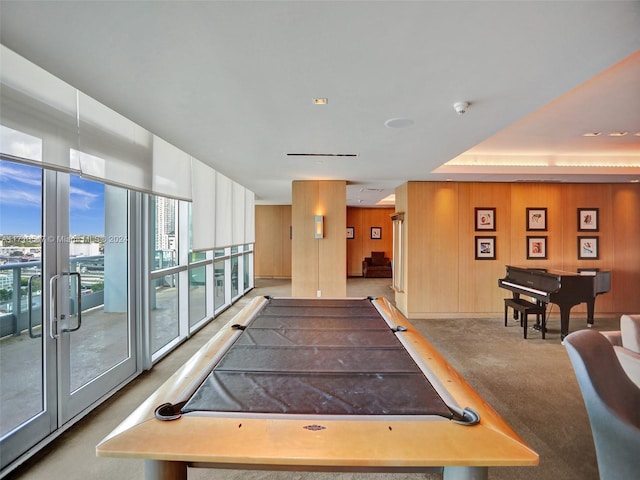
[{"x": 233, "y": 83}]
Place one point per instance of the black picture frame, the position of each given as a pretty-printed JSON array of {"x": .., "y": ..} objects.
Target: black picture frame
[
  {"x": 351, "y": 233},
  {"x": 376, "y": 233},
  {"x": 485, "y": 248},
  {"x": 588, "y": 219},
  {"x": 537, "y": 219},
  {"x": 537, "y": 247},
  {"x": 588, "y": 247},
  {"x": 485, "y": 219}
]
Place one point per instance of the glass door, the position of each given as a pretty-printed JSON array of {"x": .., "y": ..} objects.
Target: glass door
[
  {"x": 95, "y": 329},
  {"x": 66, "y": 324},
  {"x": 28, "y": 412}
]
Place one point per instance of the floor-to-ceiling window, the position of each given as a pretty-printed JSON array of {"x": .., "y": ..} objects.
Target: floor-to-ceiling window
[
  {"x": 164, "y": 293},
  {"x": 98, "y": 279},
  {"x": 68, "y": 334}
]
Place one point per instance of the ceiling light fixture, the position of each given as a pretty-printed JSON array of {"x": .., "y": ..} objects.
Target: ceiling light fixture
[
  {"x": 592, "y": 134},
  {"x": 398, "y": 123},
  {"x": 322, "y": 154},
  {"x": 320, "y": 101},
  {"x": 617, "y": 134}
]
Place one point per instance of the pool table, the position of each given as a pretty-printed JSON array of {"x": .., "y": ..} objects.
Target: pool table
[{"x": 312, "y": 384}]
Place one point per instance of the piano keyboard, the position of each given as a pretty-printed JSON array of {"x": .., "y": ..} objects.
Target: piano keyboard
[{"x": 522, "y": 287}]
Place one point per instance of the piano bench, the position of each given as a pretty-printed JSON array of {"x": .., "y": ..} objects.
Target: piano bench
[{"x": 524, "y": 308}]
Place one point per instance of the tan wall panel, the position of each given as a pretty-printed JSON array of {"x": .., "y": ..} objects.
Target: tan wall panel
[
  {"x": 273, "y": 242},
  {"x": 402, "y": 206},
  {"x": 432, "y": 269},
  {"x": 536, "y": 195},
  {"x": 588, "y": 196},
  {"x": 304, "y": 247},
  {"x": 332, "y": 258},
  {"x": 434, "y": 246},
  {"x": 625, "y": 294},
  {"x": 362, "y": 219},
  {"x": 377, "y": 217},
  {"x": 477, "y": 294},
  {"x": 354, "y": 246},
  {"x": 319, "y": 264}
]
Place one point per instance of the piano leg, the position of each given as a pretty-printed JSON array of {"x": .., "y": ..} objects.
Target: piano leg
[
  {"x": 590, "y": 309},
  {"x": 564, "y": 322}
]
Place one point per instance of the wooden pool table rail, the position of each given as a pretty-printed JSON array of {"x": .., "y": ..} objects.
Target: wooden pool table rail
[{"x": 332, "y": 443}]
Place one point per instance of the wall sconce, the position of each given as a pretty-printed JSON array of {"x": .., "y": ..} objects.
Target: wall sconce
[{"x": 319, "y": 226}]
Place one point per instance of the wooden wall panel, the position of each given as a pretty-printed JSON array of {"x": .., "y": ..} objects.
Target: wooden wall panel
[
  {"x": 625, "y": 213},
  {"x": 477, "y": 294},
  {"x": 536, "y": 195},
  {"x": 332, "y": 256},
  {"x": 434, "y": 246},
  {"x": 304, "y": 247},
  {"x": 402, "y": 206},
  {"x": 319, "y": 265},
  {"x": 432, "y": 263},
  {"x": 588, "y": 196},
  {"x": 354, "y": 246},
  {"x": 273, "y": 242},
  {"x": 362, "y": 219}
]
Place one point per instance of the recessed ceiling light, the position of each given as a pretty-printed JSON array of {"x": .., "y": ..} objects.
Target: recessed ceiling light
[
  {"x": 591, "y": 134},
  {"x": 322, "y": 154},
  {"x": 635, "y": 181},
  {"x": 617, "y": 134},
  {"x": 398, "y": 122},
  {"x": 637, "y": 134},
  {"x": 320, "y": 101}
]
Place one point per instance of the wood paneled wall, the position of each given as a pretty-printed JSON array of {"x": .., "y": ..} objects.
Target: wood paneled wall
[
  {"x": 362, "y": 219},
  {"x": 444, "y": 278},
  {"x": 319, "y": 265},
  {"x": 273, "y": 241}
]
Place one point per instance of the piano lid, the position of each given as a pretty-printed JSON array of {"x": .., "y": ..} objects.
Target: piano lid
[{"x": 553, "y": 271}]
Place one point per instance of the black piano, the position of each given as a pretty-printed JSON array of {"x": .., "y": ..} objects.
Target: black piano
[{"x": 565, "y": 289}]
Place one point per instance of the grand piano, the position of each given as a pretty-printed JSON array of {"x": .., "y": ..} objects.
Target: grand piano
[{"x": 565, "y": 289}]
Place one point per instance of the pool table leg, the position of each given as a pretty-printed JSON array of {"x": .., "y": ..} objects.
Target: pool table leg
[
  {"x": 164, "y": 470},
  {"x": 466, "y": 473}
]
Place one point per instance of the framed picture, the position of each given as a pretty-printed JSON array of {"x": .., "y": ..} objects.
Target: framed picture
[
  {"x": 588, "y": 248},
  {"x": 536, "y": 248},
  {"x": 376, "y": 233},
  {"x": 350, "y": 233},
  {"x": 588, "y": 220},
  {"x": 536, "y": 219},
  {"x": 485, "y": 218},
  {"x": 485, "y": 248}
]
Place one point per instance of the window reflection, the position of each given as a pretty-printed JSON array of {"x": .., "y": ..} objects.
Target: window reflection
[
  {"x": 219, "y": 298},
  {"x": 165, "y": 246},
  {"x": 197, "y": 294},
  {"x": 164, "y": 312}
]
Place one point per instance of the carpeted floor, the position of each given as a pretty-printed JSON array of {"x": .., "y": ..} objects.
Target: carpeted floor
[{"x": 530, "y": 383}]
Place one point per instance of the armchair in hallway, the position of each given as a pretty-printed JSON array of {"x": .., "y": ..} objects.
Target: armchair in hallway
[{"x": 377, "y": 265}]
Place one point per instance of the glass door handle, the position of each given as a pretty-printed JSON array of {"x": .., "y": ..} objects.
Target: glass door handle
[
  {"x": 30, "y": 307},
  {"x": 53, "y": 307},
  {"x": 78, "y": 301}
]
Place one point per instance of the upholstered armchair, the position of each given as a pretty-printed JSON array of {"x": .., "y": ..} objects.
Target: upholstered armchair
[
  {"x": 612, "y": 402},
  {"x": 626, "y": 345},
  {"x": 377, "y": 265}
]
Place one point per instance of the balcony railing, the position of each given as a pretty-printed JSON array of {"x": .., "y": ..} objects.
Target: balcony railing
[{"x": 21, "y": 292}]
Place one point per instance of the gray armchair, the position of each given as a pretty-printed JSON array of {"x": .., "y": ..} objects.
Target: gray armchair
[{"x": 612, "y": 401}]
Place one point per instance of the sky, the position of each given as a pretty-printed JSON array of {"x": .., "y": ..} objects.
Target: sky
[{"x": 21, "y": 197}]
